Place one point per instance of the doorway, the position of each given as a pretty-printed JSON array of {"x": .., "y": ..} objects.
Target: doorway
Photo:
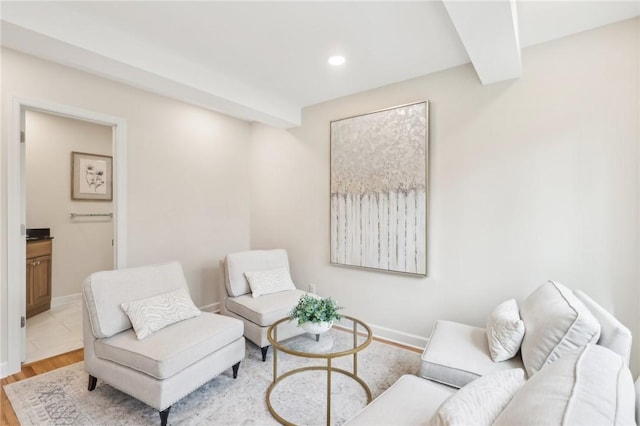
[
  {"x": 68, "y": 237},
  {"x": 17, "y": 215}
]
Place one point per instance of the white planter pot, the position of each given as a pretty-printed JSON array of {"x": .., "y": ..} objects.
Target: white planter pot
[{"x": 316, "y": 327}]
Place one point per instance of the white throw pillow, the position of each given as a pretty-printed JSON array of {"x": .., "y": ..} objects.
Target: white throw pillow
[
  {"x": 154, "y": 313},
  {"x": 269, "y": 281},
  {"x": 505, "y": 331},
  {"x": 556, "y": 322},
  {"x": 481, "y": 401}
]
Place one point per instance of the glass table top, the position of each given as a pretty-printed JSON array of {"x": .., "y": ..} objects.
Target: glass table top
[{"x": 340, "y": 340}]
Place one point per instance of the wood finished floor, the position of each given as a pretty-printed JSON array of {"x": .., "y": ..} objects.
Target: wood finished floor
[{"x": 8, "y": 416}]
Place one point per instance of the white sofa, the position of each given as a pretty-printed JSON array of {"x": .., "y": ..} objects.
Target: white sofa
[
  {"x": 458, "y": 353},
  {"x": 572, "y": 368},
  {"x": 588, "y": 386}
]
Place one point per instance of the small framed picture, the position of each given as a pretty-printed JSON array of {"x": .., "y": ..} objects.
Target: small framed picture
[{"x": 91, "y": 177}]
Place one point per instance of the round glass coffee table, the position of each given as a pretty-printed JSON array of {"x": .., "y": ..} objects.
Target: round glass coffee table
[{"x": 326, "y": 348}]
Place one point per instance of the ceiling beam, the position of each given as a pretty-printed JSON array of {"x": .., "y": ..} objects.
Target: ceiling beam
[
  {"x": 489, "y": 32},
  {"x": 97, "y": 49}
]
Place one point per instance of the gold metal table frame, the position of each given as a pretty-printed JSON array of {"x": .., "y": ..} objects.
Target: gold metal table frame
[{"x": 272, "y": 335}]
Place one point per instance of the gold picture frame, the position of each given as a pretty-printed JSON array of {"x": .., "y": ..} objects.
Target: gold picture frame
[{"x": 91, "y": 177}]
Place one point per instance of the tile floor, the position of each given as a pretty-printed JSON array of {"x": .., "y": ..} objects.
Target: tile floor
[{"x": 54, "y": 332}]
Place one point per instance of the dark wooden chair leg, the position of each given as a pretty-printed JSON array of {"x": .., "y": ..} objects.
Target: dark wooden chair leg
[
  {"x": 264, "y": 353},
  {"x": 92, "y": 383},
  {"x": 317, "y": 337},
  {"x": 164, "y": 415},
  {"x": 235, "y": 369}
]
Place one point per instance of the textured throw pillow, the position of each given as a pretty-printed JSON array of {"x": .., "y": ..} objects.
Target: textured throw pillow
[
  {"x": 505, "y": 331},
  {"x": 557, "y": 322},
  {"x": 481, "y": 401},
  {"x": 270, "y": 281},
  {"x": 154, "y": 313}
]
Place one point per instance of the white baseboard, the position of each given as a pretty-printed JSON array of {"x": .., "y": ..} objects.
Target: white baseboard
[
  {"x": 395, "y": 336},
  {"x": 384, "y": 333},
  {"x": 3, "y": 370},
  {"x": 63, "y": 300},
  {"x": 213, "y": 307},
  {"x": 407, "y": 339}
]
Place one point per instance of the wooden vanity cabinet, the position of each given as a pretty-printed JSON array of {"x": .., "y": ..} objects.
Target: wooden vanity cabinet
[{"x": 38, "y": 276}]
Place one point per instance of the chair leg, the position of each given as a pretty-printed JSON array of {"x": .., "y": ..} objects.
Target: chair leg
[
  {"x": 92, "y": 382},
  {"x": 235, "y": 367},
  {"x": 164, "y": 415},
  {"x": 264, "y": 353}
]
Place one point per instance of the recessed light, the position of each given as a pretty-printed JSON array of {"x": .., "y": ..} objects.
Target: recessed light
[{"x": 337, "y": 60}]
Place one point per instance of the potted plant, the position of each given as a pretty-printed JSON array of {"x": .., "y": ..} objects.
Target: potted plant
[{"x": 315, "y": 314}]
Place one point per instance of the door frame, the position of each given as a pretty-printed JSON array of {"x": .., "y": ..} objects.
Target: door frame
[{"x": 16, "y": 214}]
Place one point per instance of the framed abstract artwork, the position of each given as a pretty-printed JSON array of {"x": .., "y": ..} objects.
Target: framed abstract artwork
[
  {"x": 91, "y": 177},
  {"x": 379, "y": 183}
]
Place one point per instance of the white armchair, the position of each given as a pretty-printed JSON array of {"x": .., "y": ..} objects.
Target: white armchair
[
  {"x": 260, "y": 309},
  {"x": 170, "y": 362}
]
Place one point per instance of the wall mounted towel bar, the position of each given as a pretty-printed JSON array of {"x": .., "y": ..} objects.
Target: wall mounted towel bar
[{"x": 73, "y": 215}]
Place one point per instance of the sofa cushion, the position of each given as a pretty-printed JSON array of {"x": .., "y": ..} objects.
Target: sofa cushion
[
  {"x": 556, "y": 322},
  {"x": 505, "y": 331},
  {"x": 269, "y": 281},
  {"x": 588, "y": 386},
  {"x": 105, "y": 291},
  {"x": 458, "y": 353},
  {"x": 481, "y": 401},
  {"x": 264, "y": 310},
  {"x": 173, "y": 348},
  {"x": 410, "y": 400},
  {"x": 151, "y": 314},
  {"x": 236, "y": 264}
]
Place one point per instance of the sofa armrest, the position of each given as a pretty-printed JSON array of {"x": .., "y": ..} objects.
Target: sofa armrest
[
  {"x": 411, "y": 400},
  {"x": 613, "y": 334},
  {"x": 457, "y": 354}
]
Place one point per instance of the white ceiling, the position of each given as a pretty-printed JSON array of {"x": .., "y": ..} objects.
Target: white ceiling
[{"x": 264, "y": 61}]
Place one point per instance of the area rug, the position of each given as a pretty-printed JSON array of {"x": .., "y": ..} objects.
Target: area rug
[{"x": 60, "y": 397}]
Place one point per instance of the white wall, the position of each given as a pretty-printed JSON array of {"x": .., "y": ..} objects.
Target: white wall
[
  {"x": 187, "y": 172},
  {"x": 530, "y": 180},
  {"x": 83, "y": 245}
]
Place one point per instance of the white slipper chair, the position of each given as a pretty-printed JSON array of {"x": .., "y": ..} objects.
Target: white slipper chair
[
  {"x": 176, "y": 357},
  {"x": 269, "y": 296}
]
